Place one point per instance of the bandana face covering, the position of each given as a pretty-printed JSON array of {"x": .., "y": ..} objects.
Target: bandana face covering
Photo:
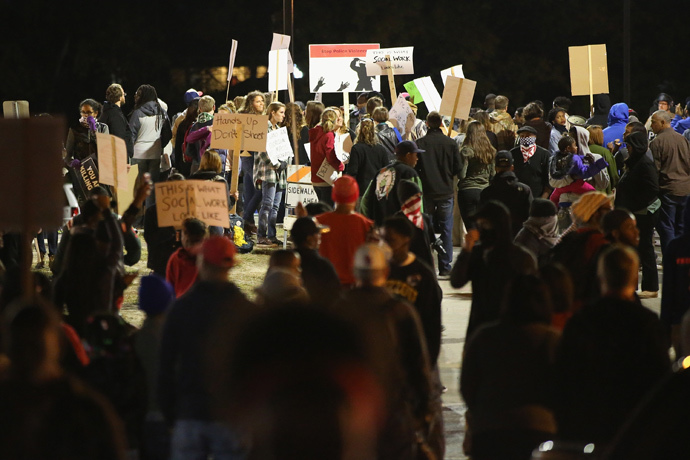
[
  {"x": 528, "y": 146},
  {"x": 412, "y": 209}
]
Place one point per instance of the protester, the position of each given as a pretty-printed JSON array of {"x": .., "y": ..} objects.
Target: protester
[
  {"x": 388, "y": 136},
  {"x": 281, "y": 287},
  {"x": 52, "y": 237},
  {"x": 485, "y": 120},
  {"x": 181, "y": 271},
  {"x": 254, "y": 104},
  {"x": 681, "y": 122},
  {"x": 113, "y": 117},
  {"x": 183, "y": 124},
  {"x": 322, "y": 141},
  {"x": 557, "y": 119},
  {"x": 534, "y": 118},
  {"x": 367, "y": 156},
  {"x": 410, "y": 197},
  {"x": 477, "y": 171},
  {"x": 618, "y": 118},
  {"x": 602, "y": 105},
  {"x": 531, "y": 162},
  {"x": 81, "y": 139},
  {"x": 539, "y": 233},
  {"x": 500, "y": 119}
]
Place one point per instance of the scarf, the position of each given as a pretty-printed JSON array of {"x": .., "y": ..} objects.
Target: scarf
[
  {"x": 528, "y": 146},
  {"x": 560, "y": 128},
  {"x": 544, "y": 228},
  {"x": 204, "y": 117},
  {"x": 412, "y": 208}
]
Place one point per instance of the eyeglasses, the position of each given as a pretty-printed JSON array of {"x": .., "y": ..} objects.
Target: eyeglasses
[{"x": 86, "y": 113}]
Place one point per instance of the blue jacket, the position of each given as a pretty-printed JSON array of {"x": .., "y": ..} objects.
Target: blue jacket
[
  {"x": 680, "y": 124},
  {"x": 618, "y": 118}
]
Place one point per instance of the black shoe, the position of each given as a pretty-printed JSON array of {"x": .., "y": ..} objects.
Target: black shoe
[
  {"x": 276, "y": 241},
  {"x": 444, "y": 273}
]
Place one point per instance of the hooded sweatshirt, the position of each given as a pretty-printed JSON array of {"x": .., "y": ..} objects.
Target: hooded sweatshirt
[
  {"x": 602, "y": 105},
  {"x": 146, "y": 123},
  {"x": 322, "y": 148},
  {"x": 618, "y": 118}
]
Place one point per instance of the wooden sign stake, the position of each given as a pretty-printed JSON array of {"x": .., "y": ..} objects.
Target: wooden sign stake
[
  {"x": 236, "y": 164},
  {"x": 115, "y": 178},
  {"x": 455, "y": 107},
  {"x": 391, "y": 80},
  {"x": 346, "y": 109},
  {"x": 591, "y": 92}
]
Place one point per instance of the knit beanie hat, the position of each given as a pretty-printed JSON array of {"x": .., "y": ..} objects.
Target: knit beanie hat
[
  {"x": 588, "y": 204},
  {"x": 345, "y": 190},
  {"x": 155, "y": 295},
  {"x": 541, "y": 207}
]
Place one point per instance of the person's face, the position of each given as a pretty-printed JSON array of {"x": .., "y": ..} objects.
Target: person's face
[
  {"x": 339, "y": 120},
  {"x": 411, "y": 159},
  {"x": 519, "y": 118},
  {"x": 278, "y": 116},
  {"x": 560, "y": 118},
  {"x": 628, "y": 233},
  {"x": 628, "y": 130},
  {"x": 526, "y": 134},
  {"x": 657, "y": 124},
  {"x": 398, "y": 243},
  {"x": 663, "y": 105},
  {"x": 361, "y": 103},
  {"x": 258, "y": 104},
  {"x": 572, "y": 148},
  {"x": 122, "y": 98},
  {"x": 88, "y": 111}
]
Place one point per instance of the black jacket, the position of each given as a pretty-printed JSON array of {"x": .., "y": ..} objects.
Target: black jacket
[
  {"x": 534, "y": 173},
  {"x": 365, "y": 161},
  {"x": 380, "y": 200},
  {"x": 117, "y": 124},
  {"x": 438, "y": 165},
  {"x": 319, "y": 277},
  {"x": 515, "y": 195},
  {"x": 639, "y": 185}
]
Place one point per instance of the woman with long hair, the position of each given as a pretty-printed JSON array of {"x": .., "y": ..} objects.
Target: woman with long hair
[
  {"x": 312, "y": 114},
  {"x": 367, "y": 157},
  {"x": 477, "y": 170},
  {"x": 322, "y": 141},
  {"x": 190, "y": 117},
  {"x": 485, "y": 120},
  {"x": 253, "y": 104},
  {"x": 270, "y": 181}
]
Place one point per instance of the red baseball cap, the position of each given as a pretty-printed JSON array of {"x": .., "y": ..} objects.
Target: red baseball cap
[{"x": 219, "y": 251}]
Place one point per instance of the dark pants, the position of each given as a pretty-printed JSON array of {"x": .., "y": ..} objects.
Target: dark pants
[
  {"x": 468, "y": 202},
  {"x": 650, "y": 275},
  {"x": 324, "y": 195},
  {"x": 441, "y": 211},
  {"x": 252, "y": 197},
  {"x": 153, "y": 167},
  {"x": 52, "y": 238},
  {"x": 670, "y": 224}
]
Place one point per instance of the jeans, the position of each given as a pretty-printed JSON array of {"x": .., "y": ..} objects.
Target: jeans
[
  {"x": 670, "y": 223},
  {"x": 52, "y": 238},
  {"x": 468, "y": 201},
  {"x": 197, "y": 439},
  {"x": 270, "y": 202},
  {"x": 441, "y": 211},
  {"x": 152, "y": 167},
  {"x": 252, "y": 197},
  {"x": 650, "y": 275}
]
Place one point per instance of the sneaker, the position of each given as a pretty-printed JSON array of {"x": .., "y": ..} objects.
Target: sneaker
[
  {"x": 276, "y": 241},
  {"x": 443, "y": 273},
  {"x": 249, "y": 228},
  {"x": 263, "y": 241},
  {"x": 648, "y": 294}
]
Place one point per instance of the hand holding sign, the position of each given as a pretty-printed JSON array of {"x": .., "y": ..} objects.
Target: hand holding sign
[
  {"x": 402, "y": 115},
  {"x": 205, "y": 200},
  {"x": 278, "y": 146}
]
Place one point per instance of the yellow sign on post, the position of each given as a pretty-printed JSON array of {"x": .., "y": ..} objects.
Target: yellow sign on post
[{"x": 457, "y": 98}]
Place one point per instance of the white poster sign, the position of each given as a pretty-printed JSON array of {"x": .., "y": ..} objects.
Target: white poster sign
[
  {"x": 426, "y": 88},
  {"x": 278, "y": 146},
  {"x": 278, "y": 70},
  {"x": 401, "y": 115},
  {"x": 455, "y": 71},
  {"x": 341, "y": 68},
  {"x": 231, "y": 64},
  {"x": 400, "y": 61}
]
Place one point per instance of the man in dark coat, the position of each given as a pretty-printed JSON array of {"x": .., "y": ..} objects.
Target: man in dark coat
[
  {"x": 113, "y": 117},
  {"x": 532, "y": 163}
]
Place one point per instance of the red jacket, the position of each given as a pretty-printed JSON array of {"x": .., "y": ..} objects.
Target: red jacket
[
  {"x": 322, "y": 147},
  {"x": 181, "y": 271}
]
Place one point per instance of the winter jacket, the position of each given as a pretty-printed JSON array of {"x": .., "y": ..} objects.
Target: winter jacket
[
  {"x": 117, "y": 124},
  {"x": 618, "y": 118},
  {"x": 387, "y": 137},
  {"x": 534, "y": 173},
  {"x": 602, "y": 105},
  {"x": 198, "y": 139},
  {"x": 680, "y": 124},
  {"x": 438, "y": 165},
  {"x": 146, "y": 123},
  {"x": 322, "y": 148},
  {"x": 639, "y": 185},
  {"x": 381, "y": 197},
  {"x": 365, "y": 161},
  {"x": 474, "y": 173},
  {"x": 515, "y": 195},
  {"x": 671, "y": 153}
]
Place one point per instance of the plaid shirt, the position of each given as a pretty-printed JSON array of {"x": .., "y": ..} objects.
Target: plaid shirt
[{"x": 265, "y": 171}]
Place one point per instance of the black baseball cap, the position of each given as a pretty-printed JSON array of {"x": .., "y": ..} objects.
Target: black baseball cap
[
  {"x": 504, "y": 159},
  {"x": 405, "y": 147}
]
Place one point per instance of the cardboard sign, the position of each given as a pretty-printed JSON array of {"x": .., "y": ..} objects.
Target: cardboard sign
[
  {"x": 455, "y": 71},
  {"x": 85, "y": 177},
  {"x": 125, "y": 196},
  {"x": 16, "y": 109},
  {"x": 429, "y": 93},
  {"x": 233, "y": 54},
  {"x": 327, "y": 172},
  {"x": 343, "y": 146},
  {"x": 457, "y": 98},
  {"x": 415, "y": 95},
  {"x": 341, "y": 68},
  {"x": 278, "y": 146},
  {"x": 112, "y": 160},
  {"x": 224, "y": 131},
  {"x": 278, "y": 69},
  {"x": 400, "y": 61},
  {"x": 205, "y": 200},
  {"x": 588, "y": 70},
  {"x": 31, "y": 173},
  {"x": 402, "y": 115}
]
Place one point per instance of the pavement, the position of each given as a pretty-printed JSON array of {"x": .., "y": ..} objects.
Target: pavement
[{"x": 456, "y": 312}]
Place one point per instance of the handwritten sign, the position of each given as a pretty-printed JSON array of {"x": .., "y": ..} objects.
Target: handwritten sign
[
  {"x": 455, "y": 71},
  {"x": 278, "y": 146},
  {"x": 377, "y": 62},
  {"x": 457, "y": 97},
  {"x": 343, "y": 146},
  {"x": 415, "y": 95},
  {"x": 341, "y": 68},
  {"x": 588, "y": 70},
  {"x": 402, "y": 115},
  {"x": 112, "y": 160},
  {"x": 31, "y": 173},
  {"x": 205, "y": 200},
  {"x": 224, "y": 131},
  {"x": 429, "y": 92},
  {"x": 231, "y": 64}
]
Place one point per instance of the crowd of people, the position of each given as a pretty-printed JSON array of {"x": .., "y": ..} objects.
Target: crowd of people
[{"x": 337, "y": 357}]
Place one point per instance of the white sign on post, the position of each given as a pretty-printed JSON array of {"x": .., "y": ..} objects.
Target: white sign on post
[
  {"x": 457, "y": 98},
  {"x": 231, "y": 64},
  {"x": 112, "y": 160},
  {"x": 278, "y": 69},
  {"x": 402, "y": 114},
  {"x": 400, "y": 62},
  {"x": 280, "y": 42},
  {"x": 343, "y": 147},
  {"x": 224, "y": 131},
  {"x": 341, "y": 68},
  {"x": 278, "y": 146},
  {"x": 455, "y": 71},
  {"x": 429, "y": 93}
]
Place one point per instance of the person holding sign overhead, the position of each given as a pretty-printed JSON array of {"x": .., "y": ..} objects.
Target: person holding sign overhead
[
  {"x": 270, "y": 180},
  {"x": 322, "y": 141}
]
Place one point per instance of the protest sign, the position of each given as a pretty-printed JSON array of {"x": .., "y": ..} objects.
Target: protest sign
[
  {"x": 341, "y": 68},
  {"x": 455, "y": 71},
  {"x": 125, "y": 195},
  {"x": 31, "y": 173},
  {"x": 278, "y": 69},
  {"x": 343, "y": 146},
  {"x": 278, "y": 146},
  {"x": 307, "y": 147},
  {"x": 415, "y": 95},
  {"x": 588, "y": 71},
  {"x": 327, "y": 172},
  {"x": 401, "y": 115},
  {"x": 112, "y": 160},
  {"x": 299, "y": 188},
  {"x": 16, "y": 109},
  {"x": 224, "y": 131},
  {"x": 429, "y": 93},
  {"x": 399, "y": 60},
  {"x": 231, "y": 64},
  {"x": 457, "y": 98},
  {"x": 280, "y": 42},
  {"x": 85, "y": 177},
  {"x": 205, "y": 200}
]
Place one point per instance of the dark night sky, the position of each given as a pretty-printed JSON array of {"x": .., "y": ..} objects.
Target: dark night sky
[{"x": 57, "y": 53}]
